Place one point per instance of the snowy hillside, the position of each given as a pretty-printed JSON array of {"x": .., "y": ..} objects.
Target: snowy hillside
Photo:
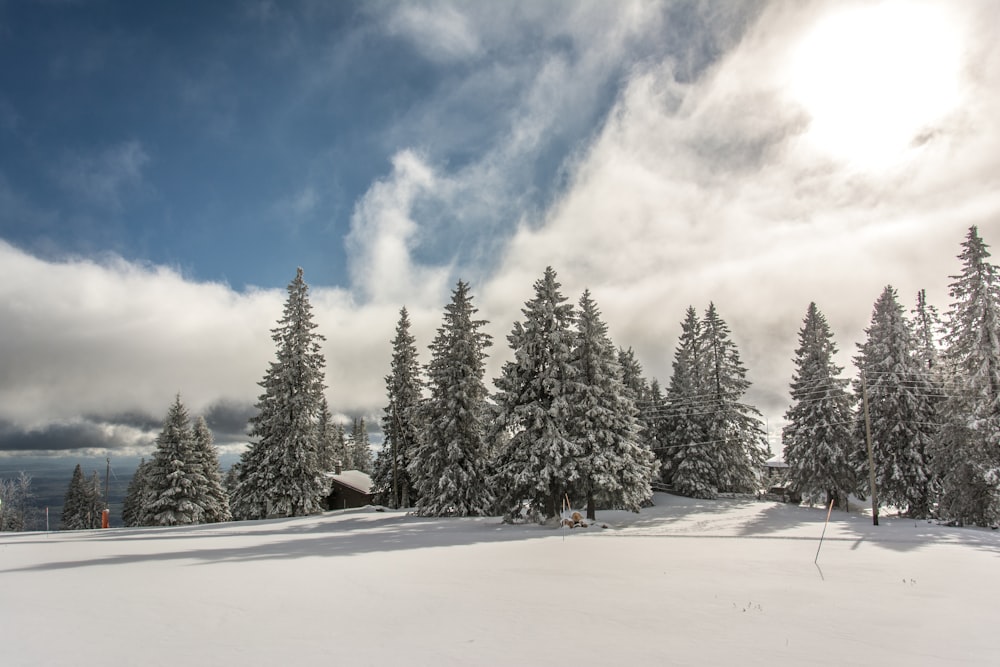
[{"x": 686, "y": 582}]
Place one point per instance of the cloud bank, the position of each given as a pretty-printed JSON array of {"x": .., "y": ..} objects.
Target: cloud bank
[{"x": 692, "y": 178}]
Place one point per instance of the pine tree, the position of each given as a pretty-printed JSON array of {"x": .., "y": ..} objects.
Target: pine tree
[
  {"x": 400, "y": 420},
  {"x": 733, "y": 430},
  {"x": 359, "y": 448},
  {"x": 177, "y": 482},
  {"x": 78, "y": 504},
  {"x": 17, "y": 511},
  {"x": 818, "y": 437},
  {"x": 901, "y": 408},
  {"x": 652, "y": 414},
  {"x": 280, "y": 472},
  {"x": 215, "y": 499},
  {"x": 640, "y": 391},
  {"x": 926, "y": 326},
  {"x": 966, "y": 454},
  {"x": 685, "y": 454},
  {"x": 540, "y": 462},
  {"x": 136, "y": 496},
  {"x": 449, "y": 465},
  {"x": 325, "y": 427},
  {"x": 616, "y": 469},
  {"x": 230, "y": 480}
]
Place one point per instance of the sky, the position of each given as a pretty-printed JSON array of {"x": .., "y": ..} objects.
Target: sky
[{"x": 166, "y": 167}]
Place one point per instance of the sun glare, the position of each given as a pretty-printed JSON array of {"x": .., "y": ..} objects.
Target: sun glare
[{"x": 875, "y": 79}]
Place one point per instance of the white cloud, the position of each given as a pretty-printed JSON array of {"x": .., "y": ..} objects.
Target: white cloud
[
  {"x": 95, "y": 351},
  {"x": 383, "y": 234},
  {"x": 687, "y": 192},
  {"x": 705, "y": 191},
  {"x": 439, "y": 31}
]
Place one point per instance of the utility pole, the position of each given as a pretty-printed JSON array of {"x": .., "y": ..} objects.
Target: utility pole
[
  {"x": 396, "y": 501},
  {"x": 107, "y": 484},
  {"x": 868, "y": 440}
]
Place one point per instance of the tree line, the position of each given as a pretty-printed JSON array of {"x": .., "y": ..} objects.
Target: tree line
[
  {"x": 926, "y": 398},
  {"x": 572, "y": 417}
]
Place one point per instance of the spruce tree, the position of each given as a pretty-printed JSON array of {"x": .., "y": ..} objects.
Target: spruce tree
[
  {"x": 17, "y": 511},
  {"x": 177, "y": 482},
  {"x": 687, "y": 464},
  {"x": 136, "y": 496},
  {"x": 966, "y": 453},
  {"x": 540, "y": 462},
  {"x": 326, "y": 453},
  {"x": 75, "y": 504},
  {"x": 900, "y": 403},
  {"x": 93, "y": 501},
  {"x": 280, "y": 472},
  {"x": 818, "y": 437},
  {"x": 449, "y": 465},
  {"x": 616, "y": 468},
  {"x": 640, "y": 391},
  {"x": 215, "y": 499},
  {"x": 359, "y": 449},
  {"x": 926, "y": 328},
  {"x": 400, "y": 420},
  {"x": 735, "y": 439}
]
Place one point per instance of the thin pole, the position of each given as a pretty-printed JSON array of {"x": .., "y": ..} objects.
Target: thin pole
[
  {"x": 397, "y": 501},
  {"x": 825, "y": 524},
  {"x": 871, "y": 456}
]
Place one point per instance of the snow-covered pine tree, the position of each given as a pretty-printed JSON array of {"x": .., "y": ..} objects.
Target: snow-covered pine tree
[
  {"x": 449, "y": 464},
  {"x": 540, "y": 462},
  {"x": 247, "y": 493},
  {"x": 359, "y": 448},
  {"x": 83, "y": 503},
  {"x": 176, "y": 477},
  {"x": 93, "y": 501},
  {"x": 687, "y": 461},
  {"x": 900, "y": 402},
  {"x": 818, "y": 439},
  {"x": 652, "y": 413},
  {"x": 966, "y": 454},
  {"x": 616, "y": 468},
  {"x": 215, "y": 505},
  {"x": 400, "y": 420},
  {"x": 280, "y": 472},
  {"x": 639, "y": 390},
  {"x": 737, "y": 440},
  {"x": 17, "y": 509},
  {"x": 136, "y": 496},
  {"x": 926, "y": 329},
  {"x": 229, "y": 482},
  {"x": 328, "y": 453}
]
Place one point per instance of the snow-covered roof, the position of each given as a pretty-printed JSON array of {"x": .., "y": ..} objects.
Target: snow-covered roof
[
  {"x": 354, "y": 479},
  {"x": 776, "y": 462}
]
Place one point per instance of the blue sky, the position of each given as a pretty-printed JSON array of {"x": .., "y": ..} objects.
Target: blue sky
[
  {"x": 232, "y": 140},
  {"x": 165, "y": 167}
]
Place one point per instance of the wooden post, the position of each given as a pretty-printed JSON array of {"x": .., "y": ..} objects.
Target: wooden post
[
  {"x": 871, "y": 456},
  {"x": 396, "y": 500},
  {"x": 828, "y": 511}
]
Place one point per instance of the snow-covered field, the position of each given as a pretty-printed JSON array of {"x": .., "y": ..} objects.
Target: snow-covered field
[{"x": 686, "y": 582}]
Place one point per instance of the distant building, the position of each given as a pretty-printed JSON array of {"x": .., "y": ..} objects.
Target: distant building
[
  {"x": 777, "y": 485},
  {"x": 774, "y": 470},
  {"x": 348, "y": 488}
]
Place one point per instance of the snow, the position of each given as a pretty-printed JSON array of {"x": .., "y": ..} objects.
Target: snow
[
  {"x": 355, "y": 479},
  {"x": 686, "y": 582}
]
